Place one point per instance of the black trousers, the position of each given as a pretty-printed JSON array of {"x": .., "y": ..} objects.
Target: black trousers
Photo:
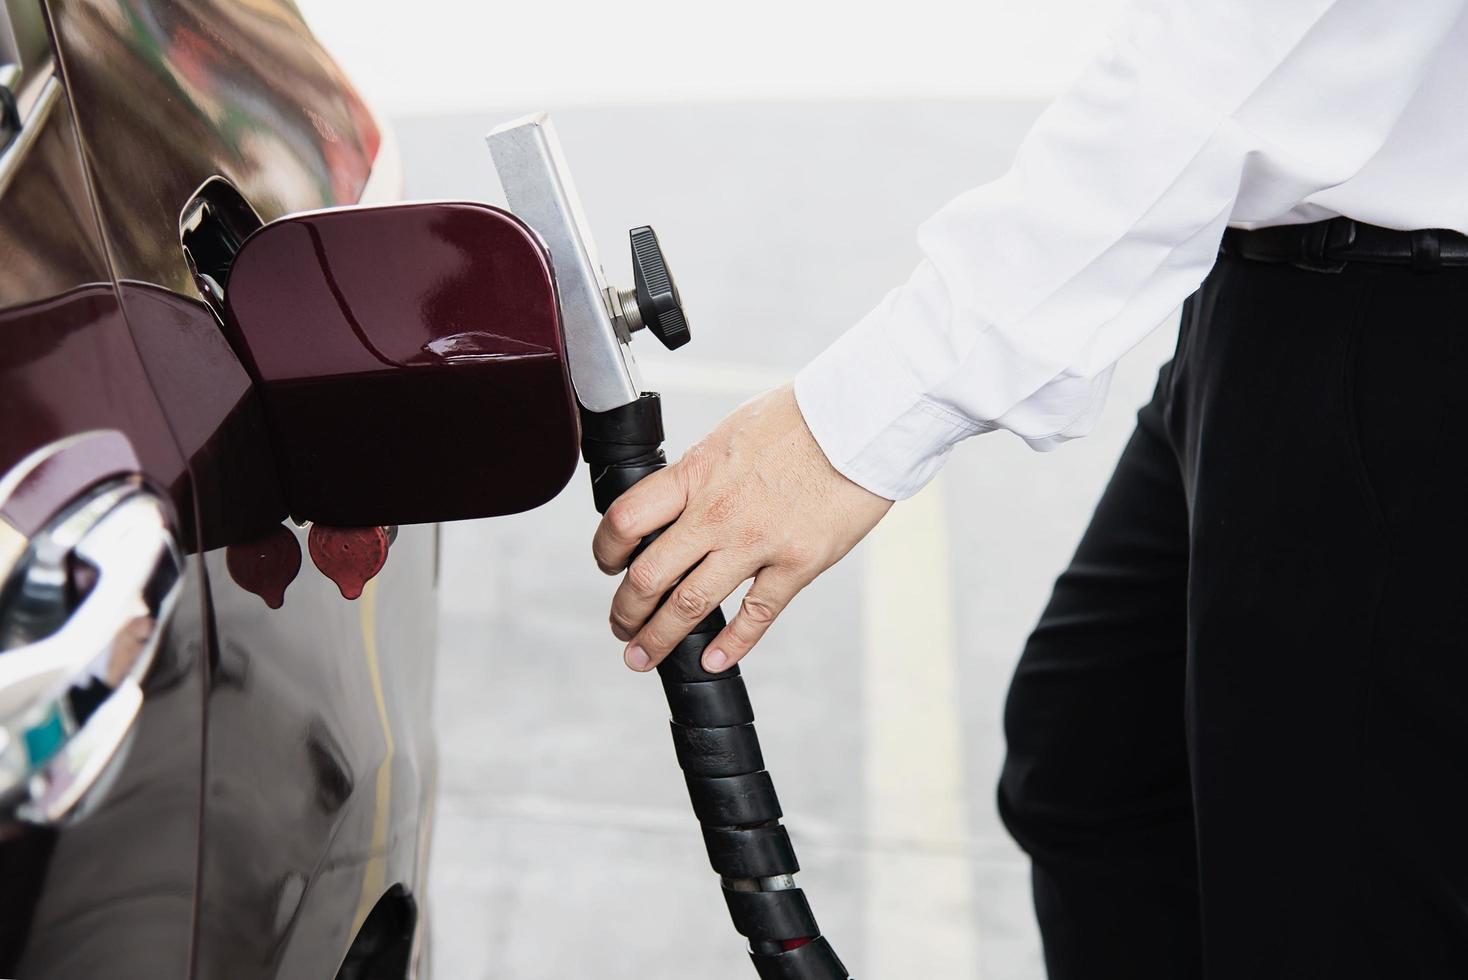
[{"x": 1238, "y": 738}]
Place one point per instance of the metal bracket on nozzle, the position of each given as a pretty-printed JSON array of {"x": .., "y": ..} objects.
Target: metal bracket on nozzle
[{"x": 598, "y": 320}]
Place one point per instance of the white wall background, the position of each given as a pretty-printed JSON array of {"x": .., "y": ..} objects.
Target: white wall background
[{"x": 435, "y": 55}]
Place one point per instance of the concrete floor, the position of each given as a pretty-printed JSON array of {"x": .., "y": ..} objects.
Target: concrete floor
[{"x": 565, "y": 846}]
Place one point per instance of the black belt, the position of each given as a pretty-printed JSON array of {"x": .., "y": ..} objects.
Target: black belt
[{"x": 1326, "y": 246}]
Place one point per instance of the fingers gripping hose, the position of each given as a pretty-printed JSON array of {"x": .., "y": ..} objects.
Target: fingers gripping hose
[{"x": 713, "y": 734}]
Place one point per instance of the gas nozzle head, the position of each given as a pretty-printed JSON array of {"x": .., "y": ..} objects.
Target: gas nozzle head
[
  {"x": 597, "y": 320},
  {"x": 658, "y": 306}
]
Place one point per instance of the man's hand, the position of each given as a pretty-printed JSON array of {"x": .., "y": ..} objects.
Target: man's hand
[{"x": 756, "y": 498}]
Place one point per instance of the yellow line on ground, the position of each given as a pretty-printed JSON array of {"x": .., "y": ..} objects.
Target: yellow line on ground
[{"x": 919, "y": 902}]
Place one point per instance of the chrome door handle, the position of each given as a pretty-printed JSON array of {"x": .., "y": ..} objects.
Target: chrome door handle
[{"x": 70, "y": 691}]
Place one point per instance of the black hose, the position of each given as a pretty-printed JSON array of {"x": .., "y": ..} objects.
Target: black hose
[{"x": 713, "y": 733}]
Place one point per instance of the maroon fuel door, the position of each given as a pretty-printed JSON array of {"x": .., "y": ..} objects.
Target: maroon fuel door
[{"x": 410, "y": 360}]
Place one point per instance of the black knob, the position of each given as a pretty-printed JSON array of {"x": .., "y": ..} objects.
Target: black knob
[{"x": 657, "y": 295}]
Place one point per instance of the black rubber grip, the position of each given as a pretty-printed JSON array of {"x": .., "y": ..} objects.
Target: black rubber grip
[
  {"x": 753, "y": 852},
  {"x": 733, "y": 801},
  {"x": 684, "y": 664},
  {"x": 816, "y": 960},
  {"x": 609, "y": 483},
  {"x": 623, "y": 434},
  {"x": 704, "y": 705},
  {"x": 777, "y": 915},
  {"x": 711, "y": 624},
  {"x": 731, "y": 751}
]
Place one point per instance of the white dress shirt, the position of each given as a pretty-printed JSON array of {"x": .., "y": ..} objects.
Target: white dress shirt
[{"x": 1198, "y": 115}]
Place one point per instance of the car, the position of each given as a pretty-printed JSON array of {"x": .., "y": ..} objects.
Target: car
[
  {"x": 240, "y": 388},
  {"x": 231, "y": 773}
]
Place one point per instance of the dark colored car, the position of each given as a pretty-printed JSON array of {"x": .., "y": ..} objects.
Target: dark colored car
[{"x": 237, "y": 777}]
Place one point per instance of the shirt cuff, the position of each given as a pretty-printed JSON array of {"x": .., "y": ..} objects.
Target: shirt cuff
[{"x": 871, "y": 419}]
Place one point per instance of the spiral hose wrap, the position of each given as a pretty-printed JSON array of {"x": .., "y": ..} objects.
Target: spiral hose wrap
[{"x": 718, "y": 750}]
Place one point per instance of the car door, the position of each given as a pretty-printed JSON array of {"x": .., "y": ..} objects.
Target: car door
[
  {"x": 102, "y": 645},
  {"x": 199, "y": 119}
]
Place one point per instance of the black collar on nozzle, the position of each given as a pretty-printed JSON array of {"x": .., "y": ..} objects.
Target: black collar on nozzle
[
  {"x": 712, "y": 723},
  {"x": 622, "y": 446}
]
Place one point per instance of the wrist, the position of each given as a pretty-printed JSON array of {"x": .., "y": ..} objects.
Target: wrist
[{"x": 869, "y": 417}]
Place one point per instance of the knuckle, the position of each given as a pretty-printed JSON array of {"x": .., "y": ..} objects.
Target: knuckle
[
  {"x": 696, "y": 463},
  {"x": 599, "y": 555},
  {"x": 750, "y": 535},
  {"x": 657, "y": 637},
  {"x": 745, "y": 632},
  {"x": 722, "y": 506},
  {"x": 622, "y": 519},
  {"x": 799, "y": 553},
  {"x": 690, "y": 601},
  {"x": 643, "y": 579},
  {"x": 758, "y": 610}
]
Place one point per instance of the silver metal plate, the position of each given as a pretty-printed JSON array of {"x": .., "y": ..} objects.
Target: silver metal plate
[{"x": 539, "y": 190}]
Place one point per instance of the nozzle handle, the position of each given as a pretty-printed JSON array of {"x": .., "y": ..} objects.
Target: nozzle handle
[{"x": 732, "y": 793}]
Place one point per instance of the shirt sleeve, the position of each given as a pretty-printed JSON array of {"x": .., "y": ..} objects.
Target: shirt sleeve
[{"x": 1198, "y": 113}]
